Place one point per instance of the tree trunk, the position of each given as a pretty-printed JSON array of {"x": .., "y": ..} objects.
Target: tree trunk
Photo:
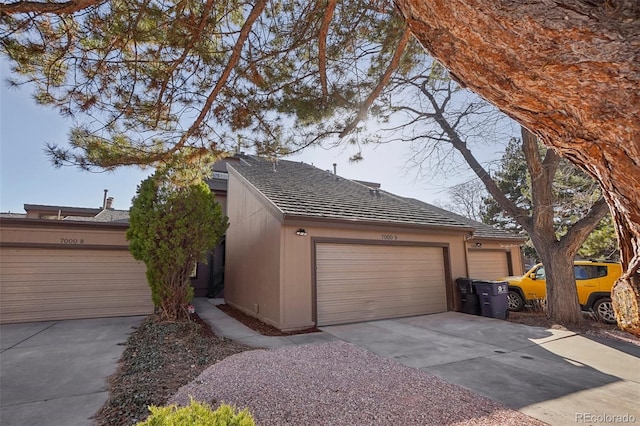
[
  {"x": 562, "y": 295},
  {"x": 570, "y": 73}
]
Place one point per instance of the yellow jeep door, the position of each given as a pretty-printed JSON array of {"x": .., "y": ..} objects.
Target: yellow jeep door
[
  {"x": 534, "y": 284},
  {"x": 587, "y": 281}
]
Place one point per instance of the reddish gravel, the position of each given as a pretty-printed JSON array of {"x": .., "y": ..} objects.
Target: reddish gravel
[{"x": 338, "y": 383}]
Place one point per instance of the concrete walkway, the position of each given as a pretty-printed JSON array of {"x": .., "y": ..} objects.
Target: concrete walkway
[
  {"x": 556, "y": 376},
  {"x": 225, "y": 326},
  {"x": 54, "y": 373}
]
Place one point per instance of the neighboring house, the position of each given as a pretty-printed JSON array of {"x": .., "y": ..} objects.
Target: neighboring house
[
  {"x": 306, "y": 247},
  {"x": 59, "y": 262}
]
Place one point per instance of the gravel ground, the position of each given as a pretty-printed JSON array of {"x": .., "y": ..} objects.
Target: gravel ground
[{"x": 338, "y": 383}]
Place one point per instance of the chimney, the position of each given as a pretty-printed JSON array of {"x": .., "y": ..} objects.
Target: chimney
[
  {"x": 104, "y": 199},
  {"x": 109, "y": 203},
  {"x": 335, "y": 169}
]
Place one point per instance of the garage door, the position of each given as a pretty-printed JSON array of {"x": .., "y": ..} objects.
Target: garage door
[
  {"x": 368, "y": 282},
  {"x": 54, "y": 284},
  {"x": 488, "y": 265}
]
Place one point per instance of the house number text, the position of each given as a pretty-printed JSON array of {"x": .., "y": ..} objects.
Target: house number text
[
  {"x": 71, "y": 241},
  {"x": 389, "y": 237}
]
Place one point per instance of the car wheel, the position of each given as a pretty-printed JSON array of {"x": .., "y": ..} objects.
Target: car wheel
[
  {"x": 514, "y": 301},
  {"x": 604, "y": 311}
]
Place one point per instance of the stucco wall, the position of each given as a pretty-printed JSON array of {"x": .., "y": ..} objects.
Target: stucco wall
[
  {"x": 252, "y": 269},
  {"x": 67, "y": 234}
]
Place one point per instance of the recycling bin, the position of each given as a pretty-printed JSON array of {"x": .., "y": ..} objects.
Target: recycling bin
[
  {"x": 468, "y": 296},
  {"x": 492, "y": 297}
]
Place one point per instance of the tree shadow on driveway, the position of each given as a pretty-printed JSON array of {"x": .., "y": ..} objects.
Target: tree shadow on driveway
[{"x": 553, "y": 375}]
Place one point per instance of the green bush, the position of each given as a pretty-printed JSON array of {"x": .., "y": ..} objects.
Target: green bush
[
  {"x": 197, "y": 414},
  {"x": 171, "y": 228}
]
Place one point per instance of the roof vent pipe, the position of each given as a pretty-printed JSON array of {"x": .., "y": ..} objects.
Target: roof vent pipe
[
  {"x": 104, "y": 199},
  {"x": 109, "y": 203},
  {"x": 335, "y": 169}
]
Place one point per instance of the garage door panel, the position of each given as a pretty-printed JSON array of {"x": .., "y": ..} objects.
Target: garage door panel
[
  {"x": 364, "y": 282},
  {"x": 80, "y": 303},
  {"x": 375, "y": 289},
  {"x": 488, "y": 264},
  {"x": 75, "y": 293},
  {"x": 54, "y": 284}
]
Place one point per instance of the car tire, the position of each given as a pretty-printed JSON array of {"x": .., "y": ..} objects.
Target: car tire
[
  {"x": 514, "y": 301},
  {"x": 603, "y": 309}
]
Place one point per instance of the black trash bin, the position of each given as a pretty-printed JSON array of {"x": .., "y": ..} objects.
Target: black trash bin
[
  {"x": 492, "y": 296},
  {"x": 468, "y": 297}
]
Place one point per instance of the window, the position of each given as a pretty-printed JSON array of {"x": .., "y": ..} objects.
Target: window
[
  {"x": 540, "y": 274},
  {"x": 602, "y": 271},
  {"x": 580, "y": 272},
  {"x": 588, "y": 272}
]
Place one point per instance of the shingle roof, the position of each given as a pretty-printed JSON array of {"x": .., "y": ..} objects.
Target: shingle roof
[
  {"x": 482, "y": 230},
  {"x": 302, "y": 190},
  {"x": 67, "y": 209},
  {"x": 8, "y": 215},
  {"x": 106, "y": 215}
]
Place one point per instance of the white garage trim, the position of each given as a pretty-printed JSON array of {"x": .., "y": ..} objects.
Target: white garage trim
[
  {"x": 488, "y": 264},
  {"x": 40, "y": 284},
  {"x": 362, "y": 282}
]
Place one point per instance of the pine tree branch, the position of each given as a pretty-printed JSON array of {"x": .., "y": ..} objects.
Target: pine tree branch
[
  {"x": 322, "y": 45},
  {"x": 195, "y": 36},
  {"x": 233, "y": 60},
  {"x": 384, "y": 80},
  {"x": 67, "y": 7}
]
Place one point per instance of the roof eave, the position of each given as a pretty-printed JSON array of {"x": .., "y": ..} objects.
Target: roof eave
[
  {"x": 295, "y": 219},
  {"x": 497, "y": 238}
]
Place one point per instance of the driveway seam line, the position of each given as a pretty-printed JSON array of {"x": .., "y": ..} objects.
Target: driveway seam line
[{"x": 33, "y": 335}]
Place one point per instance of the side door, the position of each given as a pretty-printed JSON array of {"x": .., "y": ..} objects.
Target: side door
[
  {"x": 534, "y": 284},
  {"x": 587, "y": 280}
]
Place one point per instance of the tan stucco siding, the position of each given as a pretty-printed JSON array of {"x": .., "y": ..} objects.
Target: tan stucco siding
[
  {"x": 297, "y": 262},
  {"x": 252, "y": 268},
  {"x": 62, "y": 234}
]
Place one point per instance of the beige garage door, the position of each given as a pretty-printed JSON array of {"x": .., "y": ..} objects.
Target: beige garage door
[
  {"x": 368, "y": 282},
  {"x": 54, "y": 284},
  {"x": 488, "y": 265}
]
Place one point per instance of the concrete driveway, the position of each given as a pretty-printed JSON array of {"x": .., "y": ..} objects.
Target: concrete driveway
[
  {"x": 54, "y": 372},
  {"x": 553, "y": 375}
]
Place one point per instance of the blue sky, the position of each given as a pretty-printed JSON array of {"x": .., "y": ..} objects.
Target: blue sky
[{"x": 27, "y": 176}]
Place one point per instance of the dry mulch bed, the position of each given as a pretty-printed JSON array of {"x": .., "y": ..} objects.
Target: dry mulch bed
[
  {"x": 257, "y": 325},
  {"x": 159, "y": 358}
]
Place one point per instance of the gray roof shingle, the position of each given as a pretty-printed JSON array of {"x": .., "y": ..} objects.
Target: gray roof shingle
[
  {"x": 106, "y": 215},
  {"x": 302, "y": 190},
  {"x": 482, "y": 230}
]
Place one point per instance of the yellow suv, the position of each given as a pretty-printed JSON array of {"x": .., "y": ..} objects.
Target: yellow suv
[{"x": 593, "y": 281}]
